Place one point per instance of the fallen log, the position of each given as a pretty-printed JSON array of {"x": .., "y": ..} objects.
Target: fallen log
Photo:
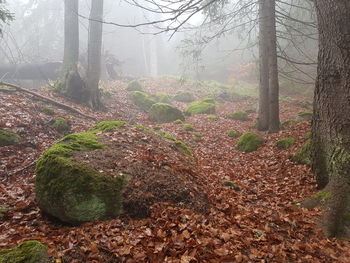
[{"x": 46, "y": 99}]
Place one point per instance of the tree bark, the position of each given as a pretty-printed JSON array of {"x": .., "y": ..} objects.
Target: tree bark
[
  {"x": 263, "y": 113},
  {"x": 94, "y": 53},
  {"x": 274, "y": 120},
  {"x": 331, "y": 119}
]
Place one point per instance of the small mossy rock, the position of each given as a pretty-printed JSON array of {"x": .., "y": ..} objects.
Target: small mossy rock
[
  {"x": 208, "y": 100},
  {"x": 197, "y": 134},
  {"x": 238, "y": 115},
  {"x": 60, "y": 125},
  {"x": 285, "y": 143},
  {"x": 188, "y": 127},
  {"x": 200, "y": 107},
  {"x": 184, "y": 96},
  {"x": 28, "y": 252},
  {"x": 233, "y": 134},
  {"x": 162, "y": 98},
  {"x": 303, "y": 155},
  {"x": 213, "y": 117},
  {"x": 142, "y": 100},
  {"x": 249, "y": 142},
  {"x": 305, "y": 115},
  {"x": 8, "y": 138},
  {"x": 107, "y": 126},
  {"x": 178, "y": 122},
  {"x": 3, "y": 210},
  {"x": 162, "y": 112},
  {"x": 134, "y": 86}
]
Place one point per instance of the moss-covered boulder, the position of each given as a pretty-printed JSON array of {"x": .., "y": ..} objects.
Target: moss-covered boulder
[
  {"x": 142, "y": 100},
  {"x": 200, "y": 107},
  {"x": 60, "y": 125},
  {"x": 285, "y": 143},
  {"x": 8, "y": 138},
  {"x": 134, "y": 86},
  {"x": 303, "y": 155},
  {"x": 249, "y": 142},
  {"x": 184, "y": 96},
  {"x": 238, "y": 115},
  {"x": 27, "y": 252},
  {"x": 162, "y": 112},
  {"x": 95, "y": 176},
  {"x": 162, "y": 98},
  {"x": 305, "y": 115}
]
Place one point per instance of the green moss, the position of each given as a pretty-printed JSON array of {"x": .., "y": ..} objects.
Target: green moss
[
  {"x": 285, "y": 143},
  {"x": 3, "y": 210},
  {"x": 232, "y": 133},
  {"x": 249, "y": 142},
  {"x": 178, "y": 122},
  {"x": 208, "y": 100},
  {"x": 134, "y": 86},
  {"x": 166, "y": 135},
  {"x": 200, "y": 107},
  {"x": 308, "y": 135},
  {"x": 27, "y": 252},
  {"x": 105, "y": 93},
  {"x": 305, "y": 115},
  {"x": 188, "y": 127},
  {"x": 232, "y": 185},
  {"x": 183, "y": 148},
  {"x": 60, "y": 125},
  {"x": 161, "y": 112},
  {"x": 8, "y": 138},
  {"x": 107, "y": 126},
  {"x": 142, "y": 100},
  {"x": 157, "y": 128},
  {"x": 288, "y": 123},
  {"x": 323, "y": 195},
  {"x": 48, "y": 111},
  {"x": 303, "y": 155},
  {"x": 213, "y": 117},
  {"x": 238, "y": 115},
  {"x": 162, "y": 98},
  {"x": 184, "y": 96},
  {"x": 197, "y": 134}
]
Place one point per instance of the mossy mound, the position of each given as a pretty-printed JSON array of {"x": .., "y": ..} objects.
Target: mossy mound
[
  {"x": 197, "y": 134},
  {"x": 232, "y": 185},
  {"x": 305, "y": 115},
  {"x": 213, "y": 117},
  {"x": 184, "y": 96},
  {"x": 303, "y": 155},
  {"x": 3, "y": 210},
  {"x": 87, "y": 176},
  {"x": 178, "y": 122},
  {"x": 27, "y": 252},
  {"x": 60, "y": 125},
  {"x": 208, "y": 100},
  {"x": 162, "y": 112},
  {"x": 249, "y": 142},
  {"x": 200, "y": 107},
  {"x": 288, "y": 123},
  {"x": 238, "y": 115},
  {"x": 134, "y": 86},
  {"x": 162, "y": 98},
  {"x": 285, "y": 143},
  {"x": 142, "y": 100},
  {"x": 48, "y": 111},
  {"x": 188, "y": 127},
  {"x": 8, "y": 138},
  {"x": 233, "y": 134},
  {"x": 107, "y": 126}
]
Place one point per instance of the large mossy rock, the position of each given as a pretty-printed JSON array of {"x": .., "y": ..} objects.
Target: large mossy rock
[
  {"x": 142, "y": 100},
  {"x": 27, "y": 252},
  {"x": 249, "y": 142},
  {"x": 184, "y": 96},
  {"x": 162, "y": 112},
  {"x": 162, "y": 98},
  {"x": 8, "y": 138},
  {"x": 200, "y": 107},
  {"x": 134, "y": 86},
  {"x": 98, "y": 174}
]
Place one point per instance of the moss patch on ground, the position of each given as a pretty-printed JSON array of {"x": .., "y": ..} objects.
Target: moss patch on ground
[
  {"x": 213, "y": 117},
  {"x": 249, "y": 142},
  {"x": 48, "y": 111},
  {"x": 107, "y": 126},
  {"x": 162, "y": 112},
  {"x": 200, "y": 107},
  {"x": 188, "y": 127},
  {"x": 303, "y": 155},
  {"x": 305, "y": 115},
  {"x": 8, "y": 138},
  {"x": 238, "y": 115},
  {"x": 232, "y": 185},
  {"x": 27, "y": 252},
  {"x": 285, "y": 143},
  {"x": 3, "y": 210}
]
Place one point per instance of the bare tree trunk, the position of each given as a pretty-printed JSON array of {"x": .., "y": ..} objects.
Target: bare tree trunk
[
  {"x": 331, "y": 119},
  {"x": 263, "y": 114},
  {"x": 94, "y": 53},
  {"x": 274, "y": 120}
]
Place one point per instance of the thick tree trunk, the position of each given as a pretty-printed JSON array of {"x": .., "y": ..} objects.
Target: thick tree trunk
[
  {"x": 331, "y": 119},
  {"x": 263, "y": 113},
  {"x": 94, "y": 53},
  {"x": 274, "y": 120}
]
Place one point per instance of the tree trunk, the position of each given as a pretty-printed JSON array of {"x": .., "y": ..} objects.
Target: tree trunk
[
  {"x": 263, "y": 113},
  {"x": 94, "y": 53},
  {"x": 331, "y": 119},
  {"x": 274, "y": 120}
]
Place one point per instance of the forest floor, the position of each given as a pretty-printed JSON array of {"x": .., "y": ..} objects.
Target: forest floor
[{"x": 260, "y": 223}]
